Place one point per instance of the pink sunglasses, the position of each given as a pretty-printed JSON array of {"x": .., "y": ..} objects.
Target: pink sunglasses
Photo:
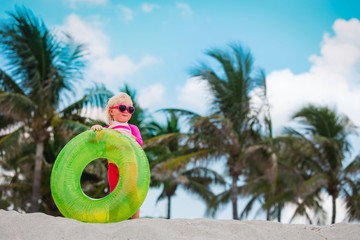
[{"x": 123, "y": 108}]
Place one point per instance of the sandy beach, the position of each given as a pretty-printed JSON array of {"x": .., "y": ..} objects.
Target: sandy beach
[{"x": 14, "y": 225}]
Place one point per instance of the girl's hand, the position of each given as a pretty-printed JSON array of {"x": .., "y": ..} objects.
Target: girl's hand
[{"x": 96, "y": 127}]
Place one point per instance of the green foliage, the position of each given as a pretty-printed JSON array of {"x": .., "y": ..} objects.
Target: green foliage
[
  {"x": 328, "y": 132},
  {"x": 41, "y": 69},
  {"x": 234, "y": 126},
  {"x": 172, "y": 161}
]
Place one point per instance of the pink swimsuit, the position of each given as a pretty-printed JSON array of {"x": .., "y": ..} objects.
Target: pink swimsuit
[{"x": 113, "y": 172}]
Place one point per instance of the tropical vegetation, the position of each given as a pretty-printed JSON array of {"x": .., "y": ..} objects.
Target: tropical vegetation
[
  {"x": 173, "y": 163},
  {"x": 234, "y": 121},
  {"x": 42, "y": 69}
]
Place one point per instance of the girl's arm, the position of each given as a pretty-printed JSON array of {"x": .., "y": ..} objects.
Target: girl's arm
[{"x": 136, "y": 132}]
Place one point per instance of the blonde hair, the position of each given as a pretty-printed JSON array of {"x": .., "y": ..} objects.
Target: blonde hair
[{"x": 113, "y": 101}]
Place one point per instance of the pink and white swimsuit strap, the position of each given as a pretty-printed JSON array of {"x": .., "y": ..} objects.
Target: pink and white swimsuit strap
[{"x": 120, "y": 127}]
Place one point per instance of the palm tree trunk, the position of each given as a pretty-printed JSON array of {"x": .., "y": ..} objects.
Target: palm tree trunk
[
  {"x": 234, "y": 194},
  {"x": 169, "y": 206},
  {"x": 333, "y": 209},
  {"x": 37, "y": 177},
  {"x": 267, "y": 214},
  {"x": 267, "y": 209},
  {"x": 279, "y": 212}
]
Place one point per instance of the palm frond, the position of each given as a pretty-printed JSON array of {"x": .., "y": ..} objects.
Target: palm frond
[
  {"x": 352, "y": 201},
  {"x": 354, "y": 166},
  {"x": 313, "y": 184},
  {"x": 161, "y": 196},
  {"x": 25, "y": 42},
  {"x": 180, "y": 112},
  {"x": 202, "y": 173},
  {"x": 75, "y": 127},
  {"x": 282, "y": 197},
  {"x": 218, "y": 202},
  {"x": 249, "y": 206},
  {"x": 6, "y": 122},
  {"x": 163, "y": 139},
  {"x": 177, "y": 162},
  {"x": 9, "y": 143},
  {"x": 194, "y": 187},
  {"x": 308, "y": 205},
  {"x": 16, "y": 105},
  {"x": 96, "y": 96},
  {"x": 8, "y": 84}
]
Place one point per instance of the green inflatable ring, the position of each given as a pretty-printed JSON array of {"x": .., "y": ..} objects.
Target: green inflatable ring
[{"x": 130, "y": 191}]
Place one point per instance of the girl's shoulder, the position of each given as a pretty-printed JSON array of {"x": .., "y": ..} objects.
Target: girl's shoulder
[{"x": 132, "y": 126}]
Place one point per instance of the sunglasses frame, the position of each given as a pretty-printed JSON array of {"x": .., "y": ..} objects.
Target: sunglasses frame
[{"x": 126, "y": 108}]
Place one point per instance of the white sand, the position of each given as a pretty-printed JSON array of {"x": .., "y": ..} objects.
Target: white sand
[{"x": 39, "y": 226}]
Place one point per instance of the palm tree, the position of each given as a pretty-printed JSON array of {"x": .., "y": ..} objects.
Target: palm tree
[
  {"x": 261, "y": 175},
  {"x": 171, "y": 161},
  {"x": 271, "y": 176},
  {"x": 294, "y": 176},
  {"x": 274, "y": 176},
  {"x": 234, "y": 125},
  {"x": 328, "y": 134},
  {"x": 41, "y": 70}
]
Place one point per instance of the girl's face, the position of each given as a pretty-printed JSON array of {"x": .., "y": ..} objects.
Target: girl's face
[{"x": 121, "y": 116}]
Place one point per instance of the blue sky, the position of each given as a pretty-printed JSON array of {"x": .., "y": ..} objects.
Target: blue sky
[{"x": 310, "y": 51}]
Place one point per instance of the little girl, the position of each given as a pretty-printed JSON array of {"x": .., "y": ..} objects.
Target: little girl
[{"x": 119, "y": 110}]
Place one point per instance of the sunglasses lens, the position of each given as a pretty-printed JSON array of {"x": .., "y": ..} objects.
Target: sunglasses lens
[
  {"x": 131, "y": 109},
  {"x": 122, "y": 108}
]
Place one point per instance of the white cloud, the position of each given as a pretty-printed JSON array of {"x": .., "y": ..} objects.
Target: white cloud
[
  {"x": 333, "y": 79},
  {"x": 75, "y": 3},
  {"x": 184, "y": 8},
  {"x": 149, "y": 7},
  {"x": 89, "y": 33},
  {"x": 119, "y": 67},
  {"x": 151, "y": 95},
  {"x": 102, "y": 65},
  {"x": 195, "y": 95},
  {"x": 125, "y": 13}
]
